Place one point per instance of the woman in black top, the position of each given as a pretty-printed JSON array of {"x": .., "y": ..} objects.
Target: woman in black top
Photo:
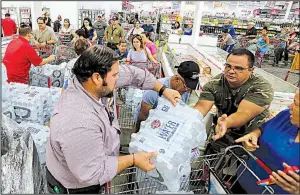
[
  {"x": 90, "y": 32},
  {"x": 48, "y": 19}
]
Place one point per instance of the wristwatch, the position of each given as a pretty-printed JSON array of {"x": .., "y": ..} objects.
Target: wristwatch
[{"x": 161, "y": 91}]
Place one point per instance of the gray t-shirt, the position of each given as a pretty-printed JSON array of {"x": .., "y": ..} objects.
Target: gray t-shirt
[
  {"x": 47, "y": 35},
  {"x": 230, "y": 41},
  {"x": 100, "y": 28},
  {"x": 138, "y": 56}
]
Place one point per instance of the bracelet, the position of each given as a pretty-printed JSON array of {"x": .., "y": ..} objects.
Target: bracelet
[{"x": 161, "y": 91}]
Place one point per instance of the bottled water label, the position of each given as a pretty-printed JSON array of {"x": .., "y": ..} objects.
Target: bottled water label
[
  {"x": 171, "y": 131},
  {"x": 195, "y": 153},
  {"x": 167, "y": 131}
]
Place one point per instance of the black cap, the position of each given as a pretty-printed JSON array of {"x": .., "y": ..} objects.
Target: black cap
[
  {"x": 115, "y": 18},
  {"x": 190, "y": 71}
]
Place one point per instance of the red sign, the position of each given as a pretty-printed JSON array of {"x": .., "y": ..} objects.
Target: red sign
[
  {"x": 274, "y": 11},
  {"x": 155, "y": 124},
  {"x": 297, "y": 12},
  {"x": 256, "y": 11}
]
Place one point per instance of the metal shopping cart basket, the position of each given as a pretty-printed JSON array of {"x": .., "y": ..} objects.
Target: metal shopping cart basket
[
  {"x": 126, "y": 111},
  {"x": 154, "y": 68},
  {"x": 64, "y": 53},
  {"x": 273, "y": 47},
  {"x": 210, "y": 174},
  {"x": 64, "y": 39},
  {"x": 45, "y": 52}
]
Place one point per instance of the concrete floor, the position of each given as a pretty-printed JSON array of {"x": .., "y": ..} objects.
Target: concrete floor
[{"x": 281, "y": 72}]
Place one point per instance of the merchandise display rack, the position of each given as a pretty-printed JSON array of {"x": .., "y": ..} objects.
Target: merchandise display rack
[
  {"x": 25, "y": 15},
  {"x": 92, "y": 14}
]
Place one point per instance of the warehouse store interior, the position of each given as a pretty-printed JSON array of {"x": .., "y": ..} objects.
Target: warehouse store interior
[{"x": 150, "y": 97}]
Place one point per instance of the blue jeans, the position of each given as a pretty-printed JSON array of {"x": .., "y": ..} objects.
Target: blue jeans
[
  {"x": 100, "y": 41},
  {"x": 228, "y": 48}
]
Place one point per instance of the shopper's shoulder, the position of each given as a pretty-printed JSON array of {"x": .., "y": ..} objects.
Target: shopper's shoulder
[
  {"x": 259, "y": 82},
  {"x": 50, "y": 29}
]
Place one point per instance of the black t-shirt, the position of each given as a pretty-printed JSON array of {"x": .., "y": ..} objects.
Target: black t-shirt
[
  {"x": 251, "y": 31},
  {"x": 49, "y": 22}
]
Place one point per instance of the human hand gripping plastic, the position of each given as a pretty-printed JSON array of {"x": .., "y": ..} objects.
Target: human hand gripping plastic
[
  {"x": 52, "y": 57},
  {"x": 287, "y": 179},
  {"x": 143, "y": 160},
  {"x": 221, "y": 127},
  {"x": 172, "y": 95},
  {"x": 249, "y": 141}
]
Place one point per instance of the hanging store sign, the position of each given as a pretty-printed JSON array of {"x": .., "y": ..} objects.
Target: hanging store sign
[
  {"x": 256, "y": 11},
  {"x": 218, "y": 4},
  {"x": 297, "y": 12}
]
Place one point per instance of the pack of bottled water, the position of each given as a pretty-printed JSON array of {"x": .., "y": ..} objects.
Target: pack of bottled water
[
  {"x": 31, "y": 103},
  {"x": 4, "y": 74},
  {"x": 133, "y": 97},
  {"x": 5, "y": 91},
  {"x": 171, "y": 131},
  {"x": 40, "y": 134},
  {"x": 42, "y": 75},
  {"x": 8, "y": 110}
]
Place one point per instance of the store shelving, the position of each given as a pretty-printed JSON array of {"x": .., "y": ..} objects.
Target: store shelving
[
  {"x": 92, "y": 14},
  {"x": 25, "y": 15},
  {"x": 13, "y": 13}
]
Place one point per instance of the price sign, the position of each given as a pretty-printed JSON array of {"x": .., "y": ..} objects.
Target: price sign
[
  {"x": 216, "y": 21},
  {"x": 235, "y": 22},
  {"x": 256, "y": 11},
  {"x": 274, "y": 11}
]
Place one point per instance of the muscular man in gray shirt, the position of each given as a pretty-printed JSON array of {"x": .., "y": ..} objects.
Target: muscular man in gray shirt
[{"x": 82, "y": 150}]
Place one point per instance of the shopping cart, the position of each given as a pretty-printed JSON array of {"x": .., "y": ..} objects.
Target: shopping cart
[
  {"x": 153, "y": 67},
  {"x": 64, "y": 53},
  {"x": 126, "y": 112},
  {"x": 210, "y": 174},
  {"x": 64, "y": 38},
  {"x": 273, "y": 47},
  {"x": 46, "y": 51},
  {"x": 293, "y": 74},
  {"x": 242, "y": 42}
]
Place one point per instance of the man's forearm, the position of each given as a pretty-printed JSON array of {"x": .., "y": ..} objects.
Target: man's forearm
[
  {"x": 51, "y": 42},
  {"x": 124, "y": 162},
  {"x": 238, "y": 119},
  {"x": 157, "y": 86},
  {"x": 45, "y": 61}
]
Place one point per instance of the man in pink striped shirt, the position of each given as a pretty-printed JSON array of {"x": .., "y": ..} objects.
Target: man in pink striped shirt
[{"x": 83, "y": 147}]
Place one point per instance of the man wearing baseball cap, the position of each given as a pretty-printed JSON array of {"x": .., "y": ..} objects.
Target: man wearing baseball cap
[
  {"x": 251, "y": 32},
  {"x": 186, "y": 80},
  {"x": 113, "y": 34}
]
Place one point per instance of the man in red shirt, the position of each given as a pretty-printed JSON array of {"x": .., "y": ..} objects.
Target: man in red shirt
[
  {"x": 9, "y": 26},
  {"x": 20, "y": 55}
]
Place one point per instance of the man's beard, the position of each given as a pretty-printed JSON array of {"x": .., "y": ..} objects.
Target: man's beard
[{"x": 105, "y": 91}]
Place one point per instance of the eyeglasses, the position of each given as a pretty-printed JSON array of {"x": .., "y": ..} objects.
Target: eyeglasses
[{"x": 238, "y": 68}]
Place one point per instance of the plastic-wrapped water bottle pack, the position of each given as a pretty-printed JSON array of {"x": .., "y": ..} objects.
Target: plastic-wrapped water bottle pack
[
  {"x": 133, "y": 97},
  {"x": 40, "y": 134},
  {"x": 4, "y": 74},
  {"x": 30, "y": 103},
  {"x": 174, "y": 132},
  {"x": 40, "y": 76}
]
